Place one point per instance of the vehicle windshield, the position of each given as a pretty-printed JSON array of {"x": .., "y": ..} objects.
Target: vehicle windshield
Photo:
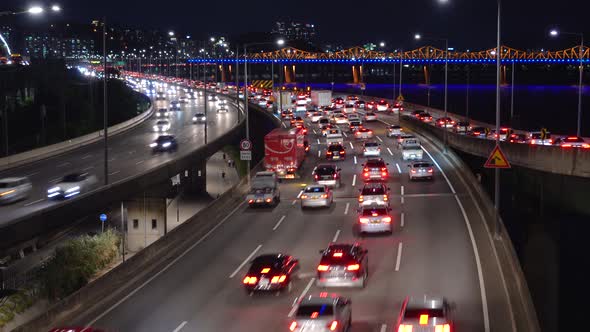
[
  {"x": 314, "y": 190},
  {"x": 374, "y": 190},
  {"x": 374, "y": 212},
  {"x": 422, "y": 165},
  {"x": 162, "y": 122},
  {"x": 318, "y": 310},
  {"x": 371, "y": 145},
  {"x": 265, "y": 261},
  {"x": 324, "y": 171},
  {"x": 337, "y": 147},
  {"x": 416, "y": 312},
  {"x": 355, "y": 123}
]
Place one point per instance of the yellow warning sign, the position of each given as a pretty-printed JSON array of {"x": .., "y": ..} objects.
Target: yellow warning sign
[
  {"x": 400, "y": 98},
  {"x": 497, "y": 159}
]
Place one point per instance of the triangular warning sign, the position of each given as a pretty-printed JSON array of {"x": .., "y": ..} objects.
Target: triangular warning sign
[
  {"x": 497, "y": 159},
  {"x": 400, "y": 98}
]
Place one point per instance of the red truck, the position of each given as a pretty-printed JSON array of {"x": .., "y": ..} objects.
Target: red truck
[{"x": 284, "y": 151}]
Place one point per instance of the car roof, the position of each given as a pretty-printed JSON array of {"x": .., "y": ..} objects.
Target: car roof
[
  {"x": 263, "y": 259},
  {"x": 425, "y": 303},
  {"x": 316, "y": 299}
]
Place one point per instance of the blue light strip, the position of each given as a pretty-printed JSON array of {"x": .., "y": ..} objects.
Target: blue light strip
[{"x": 386, "y": 61}]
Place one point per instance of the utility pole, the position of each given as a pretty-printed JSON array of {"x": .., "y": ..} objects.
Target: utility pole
[{"x": 105, "y": 106}]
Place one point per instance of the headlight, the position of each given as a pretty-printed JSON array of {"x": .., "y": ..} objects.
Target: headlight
[
  {"x": 156, "y": 128},
  {"x": 166, "y": 114},
  {"x": 54, "y": 189},
  {"x": 153, "y": 145},
  {"x": 76, "y": 188},
  {"x": 203, "y": 118},
  {"x": 194, "y": 118},
  {"x": 167, "y": 144}
]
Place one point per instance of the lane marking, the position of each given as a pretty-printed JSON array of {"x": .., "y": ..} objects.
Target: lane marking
[
  {"x": 180, "y": 326},
  {"x": 157, "y": 274},
  {"x": 319, "y": 141},
  {"x": 87, "y": 156},
  {"x": 315, "y": 132},
  {"x": 336, "y": 236},
  {"x": 353, "y": 180},
  {"x": 403, "y": 219},
  {"x": 88, "y": 168},
  {"x": 344, "y": 133},
  {"x": 398, "y": 168},
  {"x": 284, "y": 125},
  {"x": 279, "y": 223},
  {"x": 319, "y": 153},
  {"x": 139, "y": 162},
  {"x": 383, "y": 328},
  {"x": 402, "y": 194},
  {"x": 294, "y": 202},
  {"x": 441, "y": 171},
  {"x": 379, "y": 138},
  {"x": 346, "y": 208},
  {"x": 355, "y": 160},
  {"x": 398, "y": 261},
  {"x": 351, "y": 146},
  {"x": 389, "y": 150},
  {"x": 54, "y": 180},
  {"x": 29, "y": 175},
  {"x": 299, "y": 195},
  {"x": 292, "y": 312},
  {"x": 64, "y": 164},
  {"x": 35, "y": 202},
  {"x": 115, "y": 172},
  {"x": 245, "y": 261}
]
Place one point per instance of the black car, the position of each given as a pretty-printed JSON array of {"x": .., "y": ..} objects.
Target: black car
[
  {"x": 336, "y": 152},
  {"x": 327, "y": 175},
  {"x": 271, "y": 272},
  {"x": 164, "y": 143},
  {"x": 343, "y": 265}
]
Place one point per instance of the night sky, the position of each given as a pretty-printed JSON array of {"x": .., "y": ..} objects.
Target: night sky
[{"x": 467, "y": 23}]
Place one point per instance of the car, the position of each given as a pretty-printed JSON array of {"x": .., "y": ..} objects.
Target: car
[
  {"x": 349, "y": 108},
  {"x": 363, "y": 133},
  {"x": 327, "y": 174},
  {"x": 338, "y": 102},
  {"x": 480, "y": 132},
  {"x": 302, "y": 127},
  {"x": 183, "y": 100},
  {"x": 425, "y": 117},
  {"x": 221, "y": 102},
  {"x": 323, "y": 121},
  {"x": 572, "y": 142},
  {"x": 417, "y": 113},
  {"x": 222, "y": 109},
  {"x": 370, "y": 116},
  {"x": 323, "y": 312},
  {"x": 339, "y": 119},
  {"x": 162, "y": 113},
  {"x": 371, "y": 105},
  {"x": 199, "y": 118},
  {"x": 160, "y": 96},
  {"x": 336, "y": 152},
  {"x": 286, "y": 114},
  {"x": 325, "y": 128},
  {"x": 352, "y": 98},
  {"x": 316, "y": 196},
  {"x": 76, "y": 329},
  {"x": 375, "y": 219},
  {"x": 334, "y": 136},
  {"x": 397, "y": 107},
  {"x": 296, "y": 120},
  {"x": 315, "y": 117},
  {"x": 375, "y": 169},
  {"x": 162, "y": 126},
  {"x": 271, "y": 273},
  {"x": 445, "y": 122},
  {"x": 536, "y": 138},
  {"x": 374, "y": 193},
  {"x": 343, "y": 265},
  {"x": 504, "y": 133},
  {"x": 517, "y": 138},
  {"x": 371, "y": 149},
  {"x": 461, "y": 127},
  {"x": 353, "y": 117},
  {"x": 355, "y": 125},
  {"x": 328, "y": 111},
  {"x": 164, "y": 143},
  {"x": 394, "y": 131},
  {"x": 262, "y": 102},
  {"x": 212, "y": 97},
  {"x": 382, "y": 105},
  {"x": 359, "y": 104},
  {"x": 14, "y": 189},
  {"x": 421, "y": 170},
  {"x": 175, "y": 105},
  {"x": 425, "y": 314},
  {"x": 263, "y": 195},
  {"x": 71, "y": 185}
]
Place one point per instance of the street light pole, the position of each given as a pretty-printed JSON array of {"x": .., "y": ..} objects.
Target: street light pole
[
  {"x": 105, "y": 106},
  {"x": 497, "y": 170},
  {"x": 512, "y": 96},
  {"x": 246, "y": 105},
  {"x": 579, "y": 130},
  {"x": 401, "y": 66},
  {"x": 446, "y": 92}
]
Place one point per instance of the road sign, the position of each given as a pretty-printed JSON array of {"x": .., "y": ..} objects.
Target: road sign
[
  {"x": 363, "y": 86},
  {"x": 103, "y": 217},
  {"x": 245, "y": 155},
  {"x": 245, "y": 145},
  {"x": 497, "y": 159},
  {"x": 400, "y": 98}
]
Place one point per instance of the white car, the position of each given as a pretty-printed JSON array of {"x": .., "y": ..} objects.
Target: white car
[
  {"x": 382, "y": 105},
  {"x": 334, "y": 136},
  {"x": 354, "y": 117},
  {"x": 199, "y": 118},
  {"x": 340, "y": 119},
  {"x": 262, "y": 102},
  {"x": 394, "y": 131},
  {"x": 371, "y": 149},
  {"x": 162, "y": 125},
  {"x": 162, "y": 113},
  {"x": 71, "y": 185},
  {"x": 363, "y": 133},
  {"x": 315, "y": 117},
  {"x": 370, "y": 116},
  {"x": 222, "y": 109},
  {"x": 14, "y": 189}
]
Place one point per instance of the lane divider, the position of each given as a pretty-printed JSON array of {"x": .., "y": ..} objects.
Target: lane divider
[
  {"x": 294, "y": 202},
  {"x": 279, "y": 223},
  {"x": 351, "y": 146},
  {"x": 299, "y": 195},
  {"x": 355, "y": 160},
  {"x": 180, "y": 326},
  {"x": 354, "y": 180},
  {"x": 398, "y": 261},
  {"x": 402, "y": 220},
  {"x": 379, "y": 138},
  {"x": 245, "y": 261},
  {"x": 398, "y": 168},
  {"x": 389, "y": 150},
  {"x": 383, "y": 328},
  {"x": 402, "y": 194},
  {"x": 346, "y": 208},
  {"x": 319, "y": 153},
  {"x": 336, "y": 236}
]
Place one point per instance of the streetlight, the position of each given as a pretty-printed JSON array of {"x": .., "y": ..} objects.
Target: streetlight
[
  {"x": 382, "y": 44},
  {"x": 35, "y": 10},
  {"x": 556, "y": 33},
  {"x": 55, "y": 8},
  {"x": 279, "y": 42}
]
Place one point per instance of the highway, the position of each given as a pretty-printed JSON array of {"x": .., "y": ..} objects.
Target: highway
[
  {"x": 129, "y": 153},
  {"x": 432, "y": 252}
]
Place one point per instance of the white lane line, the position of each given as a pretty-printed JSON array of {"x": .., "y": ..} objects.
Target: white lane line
[
  {"x": 319, "y": 153},
  {"x": 383, "y": 328},
  {"x": 403, "y": 219},
  {"x": 294, "y": 202},
  {"x": 482, "y": 289},
  {"x": 389, "y": 150},
  {"x": 346, "y": 208},
  {"x": 379, "y": 138},
  {"x": 344, "y": 133},
  {"x": 398, "y": 168},
  {"x": 336, "y": 236},
  {"x": 157, "y": 274},
  {"x": 319, "y": 141},
  {"x": 54, "y": 180},
  {"x": 279, "y": 223},
  {"x": 351, "y": 146},
  {"x": 180, "y": 326},
  {"x": 402, "y": 194},
  {"x": 245, "y": 261},
  {"x": 29, "y": 175},
  {"x": 87, "y": 156},
  {"x": 299, "y": 195},
  {"x": 292, "y": 312},
  {"x": 398, "y": 261},
  {"x": 88, "y": 168},
  {"x": 353, "y": 180},
  {"x": 355, "y": 160},
  {"x": 315, "y": 132},
  {"x": 35, "y": 202},
  {"x": 139, "y": 162},
  {"x": 64, "y": 164},
  {"x": 284, "y": 125},
  {"x": 115, "y": 172}
]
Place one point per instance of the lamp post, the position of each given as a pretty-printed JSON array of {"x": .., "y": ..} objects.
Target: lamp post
[
  {"x": 555, "y": 33},
  {"x": 401, "y": 66},
  {"x": 418, "y": 37},
  {"x": 105, "y": 106},
  {"x": 279, "y": 42}
]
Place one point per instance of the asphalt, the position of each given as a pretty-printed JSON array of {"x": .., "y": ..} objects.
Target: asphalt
[
  {"x": 432, "y": 253},
  {"x": 129, "y": 153}
]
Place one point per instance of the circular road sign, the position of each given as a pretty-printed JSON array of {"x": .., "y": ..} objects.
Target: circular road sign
[
  {"x": 245, "y": 145},
  {"x": 103, "y": 217}
]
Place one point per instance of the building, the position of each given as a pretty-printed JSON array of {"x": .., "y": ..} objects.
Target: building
[
  {"x": 72, "y": 41},
  {"x": 295, "y": 31}
]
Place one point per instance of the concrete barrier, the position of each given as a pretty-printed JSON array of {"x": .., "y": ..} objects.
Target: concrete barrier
[{"x": 63, "y": 147}]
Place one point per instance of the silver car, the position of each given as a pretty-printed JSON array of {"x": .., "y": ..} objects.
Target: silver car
[
  {"x": 199, "y": 118},
  {"x": 394, "y": 131},
  {"x": 323, "y": 312},
  {"x": 425, "y": 314},
  {"x": 371, "y": 149},
  {"x": 71, "y": 185},
  {"x": 421, "y": 170},
  {"x": 14, "y": 189},
  {"x": 375, "y": 219},
  {"x": 370, "y": 116},
  {"x": 222, "y": 109},
  {"x": 316, "y": 196},
  {"x": 162, "y": 126},
  {"x": 343, "y": 265},
  {"x": 374, "y": 193},
  {"x": 162, "y": 113}
]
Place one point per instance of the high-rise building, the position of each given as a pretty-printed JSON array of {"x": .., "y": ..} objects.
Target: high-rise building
[{"x": 295, "y": 31}]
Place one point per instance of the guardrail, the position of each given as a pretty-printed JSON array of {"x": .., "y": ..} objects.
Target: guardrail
[{"x": 69, "y": 145}]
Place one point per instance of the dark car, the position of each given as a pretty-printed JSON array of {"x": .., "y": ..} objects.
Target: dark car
[
  {"x": 164, "y": 143},
  {"x": 355, "y": 125},
  {"x": 417, "y": 113},
  {"x": 517, "y": 138},
  {"x": 271, "y": 272},
  {"x": 343, "y": 265},
  {"x": 480, "y": 132},
  {"x": 327, "y": 174},
  {"x": 375, "y": 170},
  {"x": 336, "y": 152}
]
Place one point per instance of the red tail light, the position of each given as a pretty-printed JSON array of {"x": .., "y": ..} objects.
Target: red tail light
[
  {"x": 365, "y": 169},
  {"x": 566, "y": 145},
  {"x": 385, "y": 198},
  {"x": 250, "y": 280},
  {"x": 341, "y": 152},
  {"x": 430, "y": 170},
  {"x": 364, "y": 220},
  {"x": 442, "y": 328},
  {"x": 303, "y": 196},
  {"x": 366, "y": 175},
  {"x": 323, "y": 267},
  {"x": 413, "y": 171},
  {"x": 329, "y": 152},
  {"x": 386, "y": 220},
  {"x": 250, "y": 201},
  {"x": 383, "y": 173},
  {"x": 533, "y": 141},
  {"x": 293, "y": 326},
  {"x": 333, "y": 325},
  {"x": 335, "y": 176},
  {"x": 585, "y": 146},
  {"x": 316, "y": 176},
  {"x": 278, "y": 279},
  {"x": 361, "y": 198},
  {"x": 324, "y": 196},
  {"x": 353, "y": 267},
  {"x": 370, "y": 131},
  {"x": 383, "y": 169}
]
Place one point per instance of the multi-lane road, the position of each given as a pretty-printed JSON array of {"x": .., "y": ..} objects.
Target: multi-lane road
[
  {"x": 129, "y": 153},
  {"x": 436, "y": 249}
]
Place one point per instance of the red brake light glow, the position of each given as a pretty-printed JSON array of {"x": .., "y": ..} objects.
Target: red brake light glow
[
  {"x": 353, "y": 267},
  {"x": 293, "y": 326},
  {"x": 265, "y": 270},
  {"x": 386, "y": 220},
  {"x": 423, "y": 319},
  {"x": 364, "y": 220},
  {"x": 314, "y": 315},
  {"x": 337, "y": 254},
  {"x": 333, "y": 325},
  {"x": 323, "y": 267}
]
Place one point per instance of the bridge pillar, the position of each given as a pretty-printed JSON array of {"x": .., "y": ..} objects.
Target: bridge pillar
[
  {"x": 145, "y": 221},
  {"x": 355, "y": 75},
  {"x": 503, "y": 76},
  {"x": 289, "y": 73},
  {"x": 222, "y": 72},
  {"x": 426, "y": 75}
]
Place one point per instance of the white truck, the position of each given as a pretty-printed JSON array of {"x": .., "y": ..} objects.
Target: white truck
[
  {"x": 284, "y": 97},
  {"x": 411, "y": 148},
  {"x": 264, "y": 190},
  {"x": 321, "y": 97}
]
